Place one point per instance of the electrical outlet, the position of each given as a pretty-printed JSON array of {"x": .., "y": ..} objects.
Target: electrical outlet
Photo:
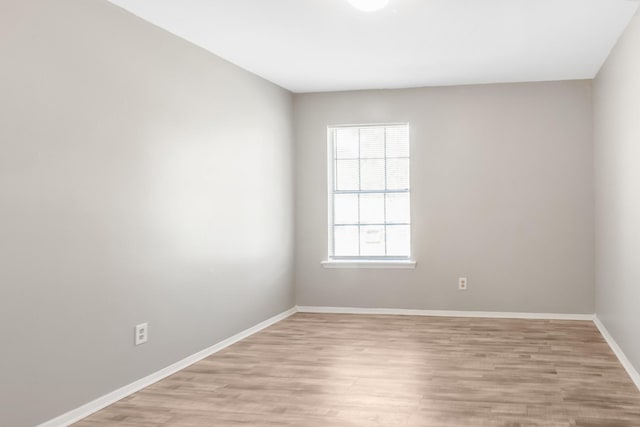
[
  {"x": 462, "y": 283},
  {"x": 142, "y": 333}
]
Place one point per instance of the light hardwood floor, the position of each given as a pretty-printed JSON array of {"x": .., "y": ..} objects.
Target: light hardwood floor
[{"x": 354, "y": 370}]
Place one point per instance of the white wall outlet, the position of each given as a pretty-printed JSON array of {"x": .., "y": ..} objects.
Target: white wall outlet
[
  {"x": 142, "y": 333},
  {"x": 462, "y": 283}
]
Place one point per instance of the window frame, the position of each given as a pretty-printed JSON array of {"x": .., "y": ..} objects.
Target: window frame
[{"x": 361, "y": 261}]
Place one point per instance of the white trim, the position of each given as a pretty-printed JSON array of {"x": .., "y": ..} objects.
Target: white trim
[
  {"x": 444, "y": 313},
  {"x": 361, "y": 125},
  {"x": 87, "y": 409},
  {"x": 330, "y": 180},
  {"x": 333, "y": 263},
  {"x": 626, "y": 364}
]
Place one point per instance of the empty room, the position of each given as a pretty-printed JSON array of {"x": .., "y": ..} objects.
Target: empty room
[{"x": 358, "y": 213}]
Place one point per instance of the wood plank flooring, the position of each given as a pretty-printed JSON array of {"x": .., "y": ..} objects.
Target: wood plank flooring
[{"x": 316, "y": 370}]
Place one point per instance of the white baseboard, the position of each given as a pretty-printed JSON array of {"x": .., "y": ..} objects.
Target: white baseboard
[
  {"x": 444, "y": 313},
  {"x": 84, "y": 411},
  {"x": 631, "y": 370}
]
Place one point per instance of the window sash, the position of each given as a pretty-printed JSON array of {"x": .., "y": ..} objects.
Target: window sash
[{"x": 375, "y": 227}]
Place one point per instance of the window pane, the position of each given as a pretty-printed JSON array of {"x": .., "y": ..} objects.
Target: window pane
[
  {"x": 398, "y": 240},
  {"x": 345, "y": 240},
  {"x": 372, "y": 240},
  {"x": 372, "y": 174},
  {"x": 397, "y": 208},
  {"x": 372, "y": 208},
  {"x": 367, "y": 220},
  {"x": 345, "y": 208},
  {"x": 398, "y": 141},
  {"x": 346, "y": 143},
  {"x": 372, "y": 142},
  {"x": 346, "y": 174},
  {"x": 398, "y": 174}
]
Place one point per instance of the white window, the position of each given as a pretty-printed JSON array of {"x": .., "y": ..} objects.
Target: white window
[{"x": 369, "y": 208}]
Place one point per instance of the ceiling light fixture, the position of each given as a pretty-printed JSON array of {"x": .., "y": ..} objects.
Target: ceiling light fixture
[{"x": 369, "y": 5}]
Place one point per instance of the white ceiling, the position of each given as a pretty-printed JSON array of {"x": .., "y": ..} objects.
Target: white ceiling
[{"x": 325, "y": 45}]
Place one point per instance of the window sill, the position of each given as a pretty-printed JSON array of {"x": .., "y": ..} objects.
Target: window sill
[{"x": 399, "y": 264}]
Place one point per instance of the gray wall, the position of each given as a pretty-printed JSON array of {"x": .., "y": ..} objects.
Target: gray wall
[
  {"x": 141, "y": 179},
  {"x": 617, "y": 155},
  {"x": 502, "y": 193}
]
